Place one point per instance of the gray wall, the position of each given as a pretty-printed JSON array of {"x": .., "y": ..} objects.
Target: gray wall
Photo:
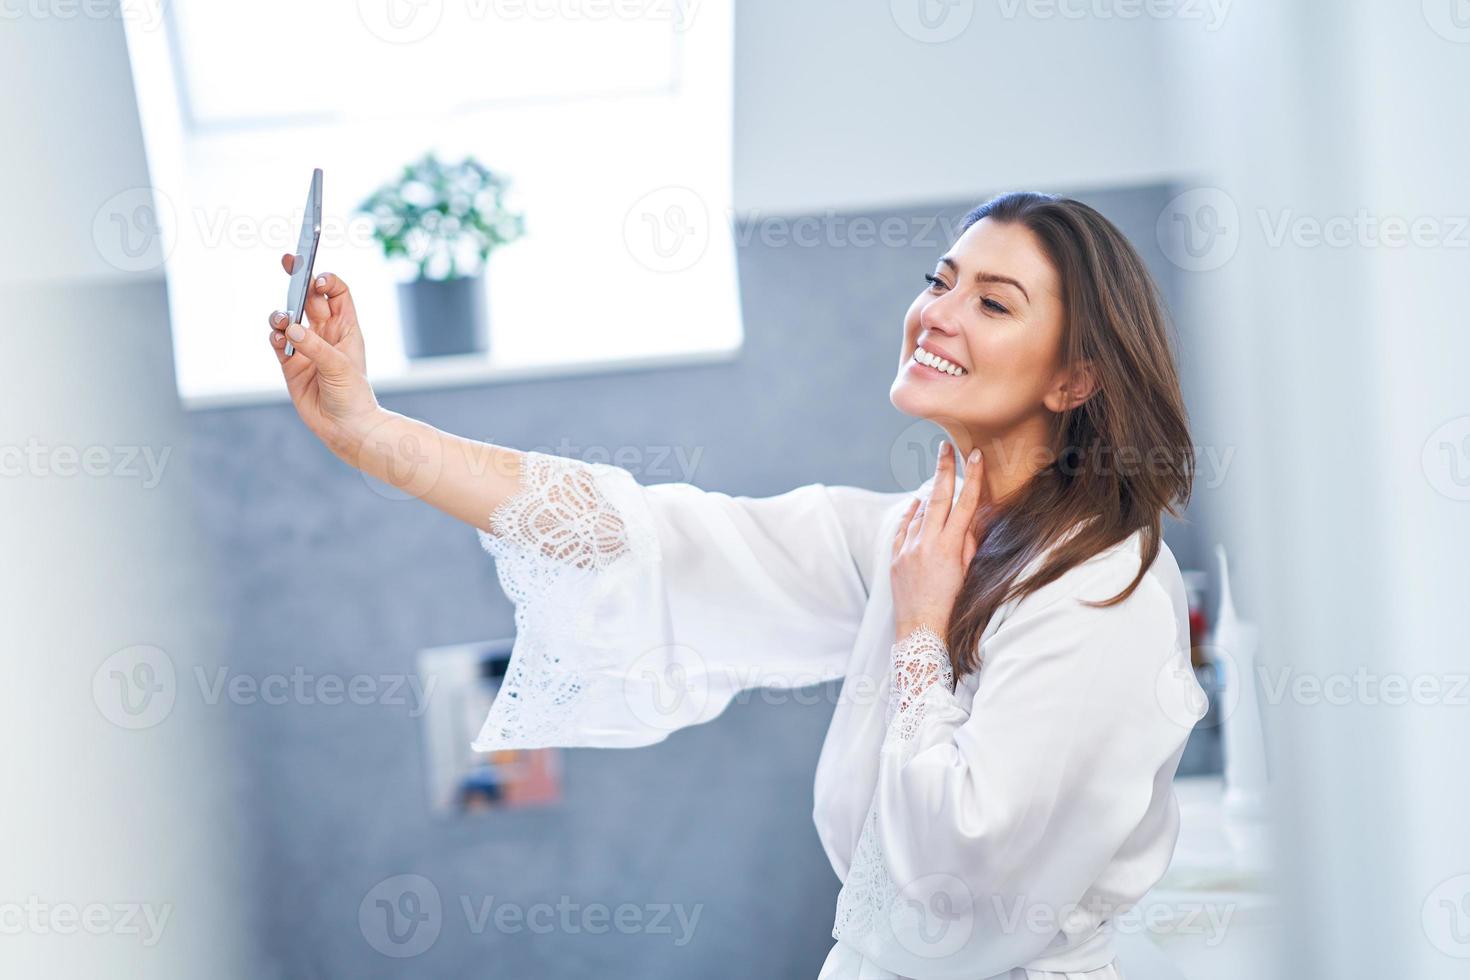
[{"x": 321, "y": 572}]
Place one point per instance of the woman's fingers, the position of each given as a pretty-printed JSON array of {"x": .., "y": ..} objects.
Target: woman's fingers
[
  {"x": 318, "y": 351},
  {"x": 326, "y": 297},
  {"x": 972, "y": 545},
  {"x": 318, "y": 310},
  {"x": 914, "y": 532},
  {"x": 910, "y": 529},
  {"x": 297, "y": 370},
  {"x": 292, "y": 368},
  {"x": 968, "y": 501},
  {"x": 943, "y": 514},
  {"x": 338, "y": 296},
  {"x": 329, "y": 307},
  {"x": 903, "y": 526},
  {"x": 936, "y": 508}
]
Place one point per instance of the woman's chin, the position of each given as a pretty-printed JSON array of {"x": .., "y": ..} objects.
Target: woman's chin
[{"x": 916, "y": 398}]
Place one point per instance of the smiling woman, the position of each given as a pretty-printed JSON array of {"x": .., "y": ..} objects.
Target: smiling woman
[
  {"x": 1042, "y": 342},
  {"x": 996, "y": 783}
]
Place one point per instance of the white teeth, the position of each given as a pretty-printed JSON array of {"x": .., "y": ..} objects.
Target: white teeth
[{"x": 937, "y": 362}]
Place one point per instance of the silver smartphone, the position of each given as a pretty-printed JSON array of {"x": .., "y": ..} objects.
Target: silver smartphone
[{"x": 311, "y": 233}]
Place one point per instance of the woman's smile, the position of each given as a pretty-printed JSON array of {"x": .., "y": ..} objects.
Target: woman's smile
[{"x": 930, "y": 360}]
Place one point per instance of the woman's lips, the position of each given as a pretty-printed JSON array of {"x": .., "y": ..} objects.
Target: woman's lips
[
  {"x": 925, "y": 371},
  {"x": 929, "y": 362}
]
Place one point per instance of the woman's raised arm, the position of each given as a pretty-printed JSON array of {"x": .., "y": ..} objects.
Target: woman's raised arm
[
  {"x": 327, "y": 380},
  {"x": 639, "y": 610}
]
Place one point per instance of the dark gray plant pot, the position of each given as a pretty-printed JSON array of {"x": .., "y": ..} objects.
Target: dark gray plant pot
[{"x": 443, "y": 317}]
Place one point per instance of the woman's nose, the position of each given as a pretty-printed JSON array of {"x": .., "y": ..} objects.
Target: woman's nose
[{"x": 940, "y": 317}]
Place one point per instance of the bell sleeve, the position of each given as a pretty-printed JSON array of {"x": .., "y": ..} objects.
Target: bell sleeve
[
  {"x": 991, "y": 820},
  {"x": 642, "y": 610}
]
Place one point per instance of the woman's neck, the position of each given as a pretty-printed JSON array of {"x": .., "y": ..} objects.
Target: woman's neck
[{"x": 1010, "y": 459}]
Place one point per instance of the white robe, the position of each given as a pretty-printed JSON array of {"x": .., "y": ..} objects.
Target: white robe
[{"x": 989, "y": 831}]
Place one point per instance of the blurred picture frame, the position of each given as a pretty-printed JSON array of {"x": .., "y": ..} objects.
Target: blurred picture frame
[{"x": 465, "y": 679}]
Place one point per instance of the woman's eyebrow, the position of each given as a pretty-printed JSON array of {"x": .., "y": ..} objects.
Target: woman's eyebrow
[{"x": 986, "y": 276}]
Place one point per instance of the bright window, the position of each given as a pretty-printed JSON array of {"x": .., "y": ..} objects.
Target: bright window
[{"x": 611, "y": 118}]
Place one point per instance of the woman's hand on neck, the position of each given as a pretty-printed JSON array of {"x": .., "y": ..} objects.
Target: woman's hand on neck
[{"x": 1011, "y": 458}]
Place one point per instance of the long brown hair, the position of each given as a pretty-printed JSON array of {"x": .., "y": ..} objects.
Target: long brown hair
[{"x": 1118, "y": 460}]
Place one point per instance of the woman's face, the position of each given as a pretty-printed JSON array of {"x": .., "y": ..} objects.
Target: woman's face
[{"x": 993, "y": 312}]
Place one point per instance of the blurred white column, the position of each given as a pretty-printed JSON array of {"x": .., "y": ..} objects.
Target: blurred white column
[
  {"x": 121, "y": 857},
  {"x": 1328, "y": 259}
]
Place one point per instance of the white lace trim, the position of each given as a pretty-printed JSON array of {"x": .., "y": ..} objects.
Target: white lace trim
[
  {"x": 920, "y": 661},
  {"x": 868, "y": 893},
  {"x": 558, "y": 543},
  {"x": 868, "y": 901},
  {"x": 560, "y": 514}
]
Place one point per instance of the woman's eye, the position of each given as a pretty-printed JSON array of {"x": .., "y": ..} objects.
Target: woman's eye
[
  {"x": 934, "y": 281},
  {"x": 992, "y": 305}
]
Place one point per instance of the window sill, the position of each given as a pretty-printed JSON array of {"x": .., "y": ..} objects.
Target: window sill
[{"x": 470, "y": 370}]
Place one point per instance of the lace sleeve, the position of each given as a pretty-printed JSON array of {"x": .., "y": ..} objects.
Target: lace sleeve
[
  {"x": 870, "y": 904},
  {"x": 920, "y": 661},
  {"x": 640, "y": 610},
  {"x": 560, "y": 514},
  {"x": 571, "y": 534}
]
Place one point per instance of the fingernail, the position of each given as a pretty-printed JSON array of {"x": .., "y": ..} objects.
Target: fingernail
[
  {"x": 321, "y": 282},
  {"x": 277, "y": 317},
  {"x": 974, "y": 456},
  {"x": 943, "y": 449},
  {"x": 296, "y": 331}
]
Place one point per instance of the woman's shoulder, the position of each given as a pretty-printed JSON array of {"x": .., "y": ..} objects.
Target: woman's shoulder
[{"x": 1108, "y": 573}]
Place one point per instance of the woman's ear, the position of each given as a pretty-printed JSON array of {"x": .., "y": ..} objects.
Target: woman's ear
[{"x": 1076, "y": 384}]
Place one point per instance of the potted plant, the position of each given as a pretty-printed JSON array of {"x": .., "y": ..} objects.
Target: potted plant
[{"x": 443, "y": 220}]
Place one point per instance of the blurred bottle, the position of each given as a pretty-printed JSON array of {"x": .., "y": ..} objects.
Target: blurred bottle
[{"x": 1199, "y": 627}]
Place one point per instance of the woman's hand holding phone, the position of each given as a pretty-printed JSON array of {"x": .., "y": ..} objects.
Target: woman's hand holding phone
[{"x": 327, "y": 377}]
